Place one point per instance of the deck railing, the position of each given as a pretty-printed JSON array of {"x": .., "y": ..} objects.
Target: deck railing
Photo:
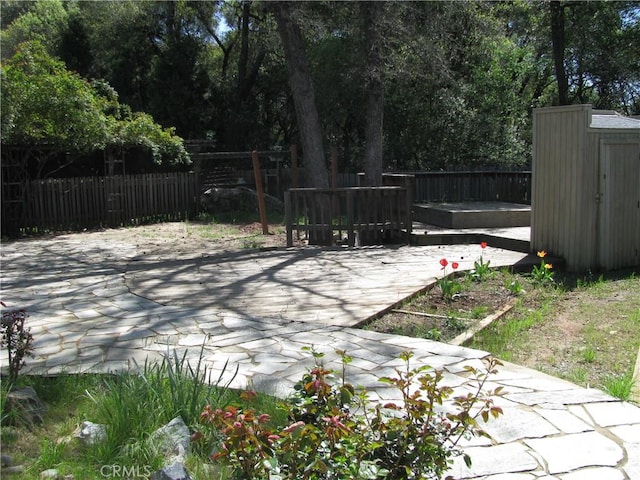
[{"x": 357, "y": 215}]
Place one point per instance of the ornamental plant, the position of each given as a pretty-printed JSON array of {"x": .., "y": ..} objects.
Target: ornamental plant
[
  {"x": 448, "y": 283},
  {"x": 481, "y": 268},
  {"x": 334, "y": 432},
  {"x": 542, "y": 274},
  {"x": 17, "y": 339}
]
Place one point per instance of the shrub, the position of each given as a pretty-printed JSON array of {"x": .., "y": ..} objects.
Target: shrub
[
  {"x": 17, "y": 339},
  {"x": 334, "y": 432}
]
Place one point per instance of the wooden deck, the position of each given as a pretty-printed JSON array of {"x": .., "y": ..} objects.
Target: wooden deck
[{"x": 473, "y": 214}]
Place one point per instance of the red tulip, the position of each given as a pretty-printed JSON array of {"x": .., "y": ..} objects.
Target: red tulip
[
  {"x": 483, "y": 245},
  {"x": 444, "y": 262},
  {"x": 454, "y": 265}
]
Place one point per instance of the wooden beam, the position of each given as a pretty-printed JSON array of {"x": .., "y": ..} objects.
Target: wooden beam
[{"x": 260, "y": 192}]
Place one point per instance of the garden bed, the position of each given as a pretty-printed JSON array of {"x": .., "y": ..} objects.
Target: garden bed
[{"x": 432, "y": 315}]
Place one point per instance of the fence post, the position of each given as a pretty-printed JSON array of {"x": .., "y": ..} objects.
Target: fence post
[
  {"x": 288, "y": 217},
  {"x": 294, "y": 165},
  {"x": 260, "y": 192},
  {"x": 350, "y": 217}
]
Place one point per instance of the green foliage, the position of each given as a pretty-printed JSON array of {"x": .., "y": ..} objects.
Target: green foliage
[
  {"x": 334, "y": 432},
  {"x": 42, "y": 20},
  {"x": 133, "y": 404},
  {"x": 589, "y": 355},
  {"x": 481, "y": 268},
  {"x": 448, "y": 284},
  {"x": 619, "y": 386},
  {"x": 51, "y": 454},
  {"x": 542, "y": 274},
  {"x": 455, "y": 324},
  {"x": 514, "y": 286},
  {"x": 460, "y": 78},
  {"x": 44, "y": 104}
]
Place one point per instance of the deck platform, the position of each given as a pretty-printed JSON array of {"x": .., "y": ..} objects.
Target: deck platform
[{"x": 473, "y": 214}]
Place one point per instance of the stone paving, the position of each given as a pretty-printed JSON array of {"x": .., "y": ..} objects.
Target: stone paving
[{"x": 97, "y": 306}]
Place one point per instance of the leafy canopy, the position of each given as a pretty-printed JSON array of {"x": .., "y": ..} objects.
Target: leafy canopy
[{"x": 43, "y": 103}]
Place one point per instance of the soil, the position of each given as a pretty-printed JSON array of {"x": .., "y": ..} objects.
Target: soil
[
  {"x": 175, "y": 238},
  {"x": 430, "y": 315}
]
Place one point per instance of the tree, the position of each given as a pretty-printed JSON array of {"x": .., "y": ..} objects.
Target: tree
[
  {"x": 595, "y": 52},
  {"x": 558, "y": 41},
  {"x": 374, "y": 88},
  {"x": 48, "y": 111},
  {"x": 41, "y": 20},
  {"x": 302, "y": 93}
]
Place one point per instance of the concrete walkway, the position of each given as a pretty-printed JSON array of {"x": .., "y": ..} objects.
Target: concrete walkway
[{"x": 97, "y": 306}]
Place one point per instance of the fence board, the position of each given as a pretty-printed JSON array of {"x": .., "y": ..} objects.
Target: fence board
[
  {"x": 375, "y": 214},
  {"x": 85, "y": 202}
]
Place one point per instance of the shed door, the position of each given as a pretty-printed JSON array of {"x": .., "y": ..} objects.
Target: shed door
[{"x": 620, "y": 204}]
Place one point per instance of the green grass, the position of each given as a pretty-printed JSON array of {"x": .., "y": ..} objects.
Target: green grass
[
  {"x": 619, "y": 386},
  {"x": 205, "y": 231},
  {"x": 131, "y": 405},
  {"x": 601, "y": 345},
  {"x": 506, "y": 336},
  {"x": 589, "y": 355},
  {"x": 480, "y": 312}
]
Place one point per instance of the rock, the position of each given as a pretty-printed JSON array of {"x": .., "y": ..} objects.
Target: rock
[
  {"x": 6, "y": 460},
  {"x": 13, "y": 469},
  {"x": 24, "y": 406},
  {"x": 224, "y": 200},
  {"x": 90, "y": 433},
  {"x": 173, "y": 440},
  {"x": 52, "y": 473},
  {"x": 175, "y": 471}
]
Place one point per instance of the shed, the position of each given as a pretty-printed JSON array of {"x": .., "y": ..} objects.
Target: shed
[{"x": 585, "y": 195}]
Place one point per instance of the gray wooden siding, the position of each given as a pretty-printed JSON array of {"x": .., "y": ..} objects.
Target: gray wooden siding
[
  {"x": 557, "y": 198},
  {"x": 573, "y": 215}
]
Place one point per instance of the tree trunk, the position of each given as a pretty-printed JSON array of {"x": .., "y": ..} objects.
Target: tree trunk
[
  {"x": 558, "y": 42},
  {"x": 370, "y": 13},
  {"x": 303, "y": 97},
  {"x": 307, "y": 118}
]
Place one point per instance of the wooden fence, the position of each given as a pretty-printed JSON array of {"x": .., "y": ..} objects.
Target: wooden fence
[
  {"x": 488, "y": 186},
  {"x": 359, "y": 215},
  {"x": 86, "y": 202}
]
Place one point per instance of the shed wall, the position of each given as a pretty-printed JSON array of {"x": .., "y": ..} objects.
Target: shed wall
[
  {"x": 585, "y": 193},
  {"x": 563, "y": 193}
]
